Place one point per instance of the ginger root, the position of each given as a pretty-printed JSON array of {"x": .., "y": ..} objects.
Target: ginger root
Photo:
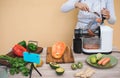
[{"x": 85, "y": 74}]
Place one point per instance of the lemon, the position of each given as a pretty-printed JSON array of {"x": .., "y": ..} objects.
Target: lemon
[{"x": 40, "y": 64}]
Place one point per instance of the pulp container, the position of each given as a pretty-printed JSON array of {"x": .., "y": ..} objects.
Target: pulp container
[{"x": 3, "y": 72}]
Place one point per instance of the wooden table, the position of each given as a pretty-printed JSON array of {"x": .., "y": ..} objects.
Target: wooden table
[{"x": 47, "y": 72}]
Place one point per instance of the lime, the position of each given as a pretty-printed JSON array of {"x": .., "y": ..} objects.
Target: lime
[{"x": 93, "y": 60}]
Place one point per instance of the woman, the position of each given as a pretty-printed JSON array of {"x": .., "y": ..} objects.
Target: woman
[{"x": 89, "y": 11}]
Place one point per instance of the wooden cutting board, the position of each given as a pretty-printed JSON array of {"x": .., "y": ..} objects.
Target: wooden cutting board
[
  {"x": 66, "y": 58},
  {"x": 11, "y": 54}
]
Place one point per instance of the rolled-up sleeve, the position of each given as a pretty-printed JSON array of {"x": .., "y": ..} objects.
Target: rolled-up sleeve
[
  {"x": 110, "y": 7},
  {"x": 68, "y": 6}
]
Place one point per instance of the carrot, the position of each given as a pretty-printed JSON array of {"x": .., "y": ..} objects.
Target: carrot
[
  {"x": 105, "y": 61},
  {"x": 102, "y": 60}
]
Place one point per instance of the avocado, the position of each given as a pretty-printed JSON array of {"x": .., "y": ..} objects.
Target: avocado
[
  {"x": 54, "y": 65},
  {"x": 60, "y": 71}
]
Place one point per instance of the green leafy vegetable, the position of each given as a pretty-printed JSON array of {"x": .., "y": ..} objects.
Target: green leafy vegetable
[{"x": 17, "y": 65}]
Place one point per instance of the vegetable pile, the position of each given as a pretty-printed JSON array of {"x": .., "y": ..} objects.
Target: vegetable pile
[
  {"x": 99, "y": 59},
  {"x": 17, "y": 65},
  {"x": 22, "y": 46}
]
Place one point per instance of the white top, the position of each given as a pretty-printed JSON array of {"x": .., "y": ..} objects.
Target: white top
[{"x": 94, "y": 6}]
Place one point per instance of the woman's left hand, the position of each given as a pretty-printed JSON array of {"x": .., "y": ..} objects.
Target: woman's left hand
[{"x": 105, "y": 13}]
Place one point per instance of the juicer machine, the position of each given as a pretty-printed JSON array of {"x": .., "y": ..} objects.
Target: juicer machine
[{"x": 100, "y": 43}]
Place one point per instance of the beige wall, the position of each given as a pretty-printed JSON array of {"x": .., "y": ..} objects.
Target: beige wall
[
  {"x": 39, "y": 20},
  {"x": 117, "y": 25}
]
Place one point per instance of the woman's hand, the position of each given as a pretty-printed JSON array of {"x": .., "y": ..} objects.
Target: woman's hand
[
  {"x": 106, "y": 13},
  {"x": 82, "y": 6},
  {"x": 91, "y": 33}
]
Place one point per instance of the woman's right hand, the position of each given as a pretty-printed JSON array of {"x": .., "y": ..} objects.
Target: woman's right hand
[{"x": 82, "y": 6}]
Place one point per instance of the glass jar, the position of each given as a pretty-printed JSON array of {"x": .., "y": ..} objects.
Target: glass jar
[{"x": 91, "y": 43}]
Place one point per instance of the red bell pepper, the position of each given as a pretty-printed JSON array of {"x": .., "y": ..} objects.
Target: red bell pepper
[{"x": 18, "y": 50}]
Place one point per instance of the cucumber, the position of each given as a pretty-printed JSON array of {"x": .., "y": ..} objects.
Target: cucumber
[
  {"x": 60, "y": 71},
  {"x": 54, "y": 65}
]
